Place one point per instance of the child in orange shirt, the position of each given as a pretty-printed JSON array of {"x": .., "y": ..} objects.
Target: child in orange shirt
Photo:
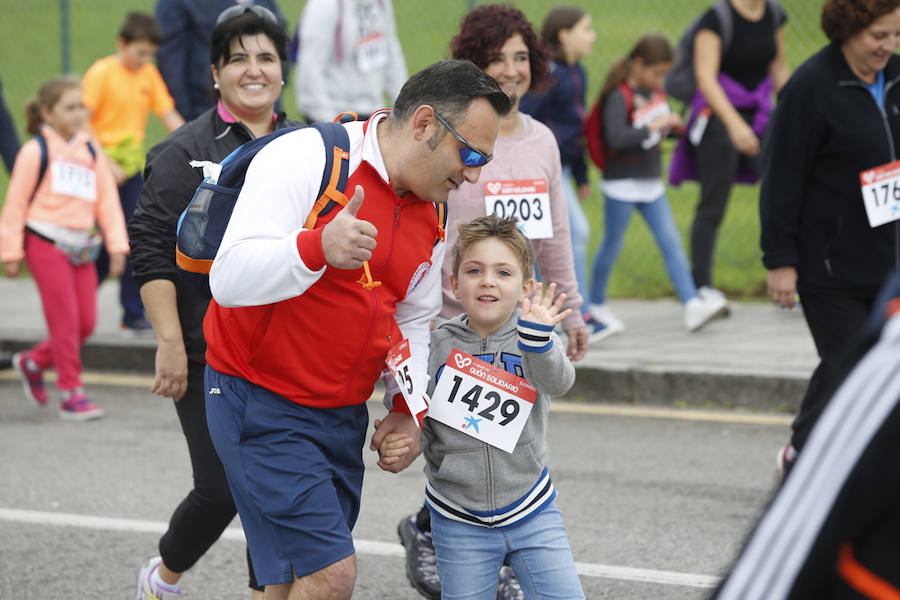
[
  {"x": 60, "y": 188},
  {"x": 120, "y": 91}
]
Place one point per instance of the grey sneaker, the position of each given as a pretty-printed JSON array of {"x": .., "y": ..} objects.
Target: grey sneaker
[
  {"x": 421, "y": 562},
  {"x": 509, "y": 588}
]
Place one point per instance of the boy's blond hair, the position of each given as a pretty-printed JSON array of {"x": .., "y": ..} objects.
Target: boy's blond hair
[{"x": 492, "y": 226}]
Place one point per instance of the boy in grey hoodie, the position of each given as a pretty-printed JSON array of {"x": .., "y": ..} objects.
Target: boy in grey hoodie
[{"x": 489, "y": 504}]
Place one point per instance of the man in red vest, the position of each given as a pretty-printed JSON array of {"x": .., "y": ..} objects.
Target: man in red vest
[{"x": 302, "y": 319}]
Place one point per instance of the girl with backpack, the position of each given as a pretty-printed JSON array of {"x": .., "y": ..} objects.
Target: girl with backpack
[
  {"x": 569, "y": 33},
  {"x": 635, "y": 118},
  {"x": 61, "y": 187}
]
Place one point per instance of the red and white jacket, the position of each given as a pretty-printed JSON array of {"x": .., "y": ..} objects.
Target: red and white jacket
[{"x": 283, "y": 319}]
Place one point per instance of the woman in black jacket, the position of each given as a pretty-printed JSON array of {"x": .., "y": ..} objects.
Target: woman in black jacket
[
  {"x": 248, "y": 54},
  {"x": 837, "y": 117}
]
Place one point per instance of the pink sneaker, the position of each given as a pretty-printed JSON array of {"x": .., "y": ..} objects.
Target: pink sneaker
[
  {"x": 79, "y": 408},
  {"x": 32, "y": 378}
]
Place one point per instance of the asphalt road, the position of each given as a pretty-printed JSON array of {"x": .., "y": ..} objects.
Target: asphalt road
[{"x": 656, "y": 503}]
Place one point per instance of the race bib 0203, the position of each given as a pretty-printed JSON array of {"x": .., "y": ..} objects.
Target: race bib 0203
[{"x": 525, "y": 199}]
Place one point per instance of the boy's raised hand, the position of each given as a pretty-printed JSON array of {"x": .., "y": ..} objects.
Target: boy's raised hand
[{"x": 543, "y": 308}]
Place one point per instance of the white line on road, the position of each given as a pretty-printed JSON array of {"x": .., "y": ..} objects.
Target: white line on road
[
  {"x": 661, "y": 412},
  {"x": 362, "y": 546},
  {"x": 96, "y": 378},
  {"x": 558, "y": 406}
]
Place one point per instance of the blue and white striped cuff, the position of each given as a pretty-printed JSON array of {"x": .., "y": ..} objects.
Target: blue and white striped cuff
[{"x": 534, "y": 337}]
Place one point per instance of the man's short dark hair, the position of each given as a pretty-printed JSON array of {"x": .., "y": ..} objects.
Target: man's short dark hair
[
  {"x": 449, "y": 86},
  {"x": 248, "y": 23},
  {"x": 140, "y": 27}
]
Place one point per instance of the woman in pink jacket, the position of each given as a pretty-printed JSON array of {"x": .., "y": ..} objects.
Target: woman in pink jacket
[{"x": 60, "y": 189}]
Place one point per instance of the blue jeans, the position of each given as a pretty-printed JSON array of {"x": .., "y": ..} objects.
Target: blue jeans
[
  {"x": 580, "y": 230},
  {"x": 469, "y": 557},
  {"x": 658, "y": 216}
]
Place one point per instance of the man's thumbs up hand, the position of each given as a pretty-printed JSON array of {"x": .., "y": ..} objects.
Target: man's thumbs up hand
[{"x": 347, "y": 242}]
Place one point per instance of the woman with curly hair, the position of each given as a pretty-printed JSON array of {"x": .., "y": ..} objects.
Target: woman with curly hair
[
  {"x": 524, "y": 179},
  {"x": 826, "y": 233}
]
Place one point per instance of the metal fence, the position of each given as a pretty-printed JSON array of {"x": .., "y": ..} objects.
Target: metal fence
[{"x": 34, "y": 35}]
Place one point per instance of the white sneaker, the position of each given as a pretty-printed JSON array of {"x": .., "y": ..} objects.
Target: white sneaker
[
  {"x": 601, "y": 323},
  {"x": 707, "y": 291},
  {"x": 700, "y": 311}
]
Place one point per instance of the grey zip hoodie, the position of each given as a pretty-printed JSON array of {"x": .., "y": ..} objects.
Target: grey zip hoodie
[{"x": 468, "y": 472}]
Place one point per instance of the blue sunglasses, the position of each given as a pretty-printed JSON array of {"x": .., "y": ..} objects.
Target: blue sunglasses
[{"x": 469, "y": 155}]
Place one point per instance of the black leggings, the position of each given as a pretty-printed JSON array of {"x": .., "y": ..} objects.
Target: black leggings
[
  {"x": 717, "y": 162},
  {"x": 208, "y": 508}
]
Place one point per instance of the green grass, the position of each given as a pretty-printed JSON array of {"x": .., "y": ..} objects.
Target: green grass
[{"x": 30, "y": 53}]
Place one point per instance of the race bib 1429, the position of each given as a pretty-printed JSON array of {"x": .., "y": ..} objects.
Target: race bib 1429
[{"x": 482, "y": 400}]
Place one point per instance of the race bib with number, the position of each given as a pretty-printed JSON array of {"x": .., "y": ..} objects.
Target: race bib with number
[
  {"x": 372, "y": 52},
  {"x": 399, "y": 361},
  {"x": 656, "y": 107},
  {"x": 881, "y": 193},
  {"x": 482, "y": 401},
  {"x": 525, "y": 199},
  {"x": 72, "y": 179}
]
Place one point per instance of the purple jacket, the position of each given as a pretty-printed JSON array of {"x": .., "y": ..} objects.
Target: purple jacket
[{"x": 683, "y": 167}]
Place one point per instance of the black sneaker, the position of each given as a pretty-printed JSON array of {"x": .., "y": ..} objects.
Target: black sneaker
[
  {"x": 508, "y": 587},
  {"x": 421, "y": 563}
]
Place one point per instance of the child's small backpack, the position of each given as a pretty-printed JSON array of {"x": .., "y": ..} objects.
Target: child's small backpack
[
  {"x": 680, "y": 82},
  {"x": 202, "y": 224},
  {"x": 593, "y": 128},
  {"x": 45, "y": 159}
]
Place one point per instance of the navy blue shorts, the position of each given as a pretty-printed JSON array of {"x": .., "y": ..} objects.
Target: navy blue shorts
[{"x": 295, "y": 473}]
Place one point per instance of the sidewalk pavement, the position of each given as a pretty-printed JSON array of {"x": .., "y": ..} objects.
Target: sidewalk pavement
[{"x": 758, "y": 358}]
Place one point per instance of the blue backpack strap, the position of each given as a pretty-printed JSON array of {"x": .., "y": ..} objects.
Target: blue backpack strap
[
  {"x": 42, "y": 144},
  {"x": 335, "y": 173},
  {"x": 234, "y": 166}
]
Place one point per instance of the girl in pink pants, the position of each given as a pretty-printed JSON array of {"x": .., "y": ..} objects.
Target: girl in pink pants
[{"x": 60, "y": 190}]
